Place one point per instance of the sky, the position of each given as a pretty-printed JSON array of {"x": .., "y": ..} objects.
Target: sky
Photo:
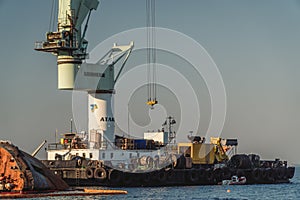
[{"x": 255, "y": 45}]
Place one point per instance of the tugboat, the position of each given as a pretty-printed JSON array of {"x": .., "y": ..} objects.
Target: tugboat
[{"x": 99, "y": 157}]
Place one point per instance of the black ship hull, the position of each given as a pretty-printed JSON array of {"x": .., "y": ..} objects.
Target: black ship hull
[
  {"x": 180, "y": 177},
  {"x": 87, "y": 173}
]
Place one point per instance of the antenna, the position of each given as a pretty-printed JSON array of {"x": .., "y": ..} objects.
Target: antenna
[{"x": 71, "y": 125}]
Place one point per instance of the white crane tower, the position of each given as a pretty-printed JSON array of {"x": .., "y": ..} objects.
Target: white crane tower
[{"x": 69, "y": 45}]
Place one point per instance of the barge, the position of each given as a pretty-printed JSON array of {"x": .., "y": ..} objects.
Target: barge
[{"x": 193, "y": 163}]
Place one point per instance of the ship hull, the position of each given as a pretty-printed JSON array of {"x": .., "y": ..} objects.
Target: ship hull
[{"x": 102, "y": 175}]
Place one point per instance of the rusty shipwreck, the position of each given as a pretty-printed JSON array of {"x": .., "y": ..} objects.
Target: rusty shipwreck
[{"x": 21, "y": 172}]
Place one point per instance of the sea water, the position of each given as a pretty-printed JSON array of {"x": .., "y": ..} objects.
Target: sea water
[{"x": 215, "y": 192}]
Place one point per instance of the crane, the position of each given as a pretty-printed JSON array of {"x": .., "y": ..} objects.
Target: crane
[{"x": 68, "y": 44}]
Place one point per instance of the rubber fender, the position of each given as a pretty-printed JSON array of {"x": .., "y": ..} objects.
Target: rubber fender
[
  {"x": 254, "y": 159},
  {"x": 115, "y": 176},
  {"x": 149, "y": 161},
  {"x": 290, "y": 172},
  {"x": 256, "y": 174},
  {"x": 127, "y": 178},
  {"x": 240, "y": 172},
  {"x": 218, "y": 176},
  {"x": 240, "y": 161},
  {"x": 263, "y": 173},
  {"x": 143, "y": 161},
  {"x": 209, "y": 175},
  {"x": 226, "y": 173},
  {"x": 171, "y": 175},
  {"x": 284, "y": 173},
  {"x": 201, "y": 174},
  {"x": 162, "y": 175},
  {"x": 270, "y": 175},
  {"x": 279, "y": 173},
  {"x": 89, "y": 172},
  {"x": 156, "y": 161},
  {"x": 192, "y": 176},
  {"x": 131, "y": 167},
  {"x": 146, "y": 177},
  {"x": 100, "y": 173}
]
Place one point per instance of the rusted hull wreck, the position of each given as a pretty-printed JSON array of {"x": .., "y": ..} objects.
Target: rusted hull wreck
[{"x": 20, "y": 171}]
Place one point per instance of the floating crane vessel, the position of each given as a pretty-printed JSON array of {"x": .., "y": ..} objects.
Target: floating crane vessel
[{"x": 99, "y": 157}]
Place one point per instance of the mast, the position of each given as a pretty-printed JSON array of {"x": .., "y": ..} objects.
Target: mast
[{"x": 170, "y": 121}]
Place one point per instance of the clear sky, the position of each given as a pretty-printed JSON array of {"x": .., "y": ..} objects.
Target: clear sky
[{"x": 254, "y": 43}]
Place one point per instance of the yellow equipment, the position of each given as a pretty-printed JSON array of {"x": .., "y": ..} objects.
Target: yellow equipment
[
  {"x": 200, "y": 153},
  {"x": 219, "y": 149}
]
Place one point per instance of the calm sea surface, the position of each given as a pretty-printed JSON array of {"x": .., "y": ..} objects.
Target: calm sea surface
[{"x": 276, "y": 191}]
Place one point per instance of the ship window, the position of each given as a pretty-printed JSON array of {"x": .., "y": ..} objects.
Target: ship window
[
  {"x": 91, "y": 155},
  {"x": 138, "y": 155},
  {"x": 130, "y": 155},
  {"x": 103, "y": 155},
  {"x": 77, "y": 154},
  {"x": 111, "y": 155},
  {"x": 83, "y": 155}
]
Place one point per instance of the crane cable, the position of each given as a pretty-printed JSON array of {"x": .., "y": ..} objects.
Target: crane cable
[
  {"x": 154, "y": 50},
  {"x": 148, "y": 49},
  {"x": 52, "y": 16},
  {"x": 151, "y": 53}
]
